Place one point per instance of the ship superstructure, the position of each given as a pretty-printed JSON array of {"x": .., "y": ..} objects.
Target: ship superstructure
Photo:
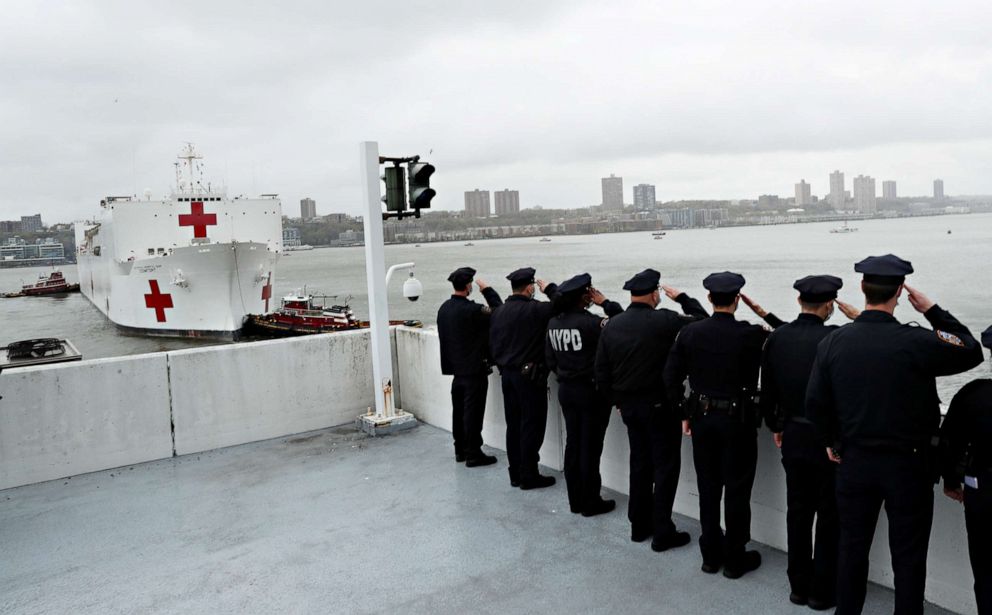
[{"x": 192, "y": 265}]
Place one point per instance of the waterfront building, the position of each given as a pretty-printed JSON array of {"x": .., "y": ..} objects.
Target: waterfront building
[
  {"x": 683, "y": 218},
  {"x": 837, "y": 195},
  {"x": 864, "y": 194},
  {"x": 308, "y": 208},
  {"x": 31, "y": 224},
  {"x": 291, "y": 237},
  {"x": 41, "y": 251},
  {"x": 337, "y": 218},
  {"x": 804, "y": 195},
  {"x": 477, "y": 203},
  {"x": 10, "y": 226},
  {"x": 507, "y": 202},
  {"x": 938, "y": 189},
  {"x": 889, "y": 189},
  {"x": 612, "y": 193},
  {"x": 644, "y": 197}
]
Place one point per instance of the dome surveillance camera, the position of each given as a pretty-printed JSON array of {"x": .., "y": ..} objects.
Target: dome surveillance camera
[{"x": 412, "y": 288}]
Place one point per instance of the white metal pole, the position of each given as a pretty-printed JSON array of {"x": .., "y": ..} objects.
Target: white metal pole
[{"x": 375, "y": 270}]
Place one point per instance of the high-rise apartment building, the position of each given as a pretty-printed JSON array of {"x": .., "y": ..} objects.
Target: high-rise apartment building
[
  {"x": 644, "y": 197},
  {"x": 804, "y": 196},
  {"x": 30, "y": 224},
  {"x": 889, "y": 189},
  {"x": 836, "y": 197},
  {"x": 477, "y": 203},
  {"x": 613, "y": 193},
  {"x": 308, "y": 208},
  {"x": 864, "y": 194},
  {"x": 507, "y": 202},
  {"x": 938, "y": 189}
]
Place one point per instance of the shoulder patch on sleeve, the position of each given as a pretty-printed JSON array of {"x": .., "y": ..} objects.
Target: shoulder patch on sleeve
[
  {"x": 950, "y": 338},
  {"x": 602, "y": 322},
  {"x": 487, "y": 310}
]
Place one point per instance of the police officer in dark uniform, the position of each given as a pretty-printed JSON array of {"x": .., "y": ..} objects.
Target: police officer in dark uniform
[
  {"x": 721, "y": 356},
  {"x": 570, "y": 351},
  {"x": 785, "y": 368},
  {"x": 516, "y": 336},
  {"x": 966, "y": 456},
  {"x": 463, "y": 329},
  {"x": 630, "y": 363},
  {"x": 872, "y": 396}
]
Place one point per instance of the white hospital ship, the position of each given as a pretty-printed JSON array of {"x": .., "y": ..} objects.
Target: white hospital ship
[{"x": 194, "y": 264}]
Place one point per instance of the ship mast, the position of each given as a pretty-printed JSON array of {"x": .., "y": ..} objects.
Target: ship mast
[{"x": 188, "y": 154}]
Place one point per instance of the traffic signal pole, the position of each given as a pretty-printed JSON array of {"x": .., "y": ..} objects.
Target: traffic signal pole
[{"x": 386, "y": 418}]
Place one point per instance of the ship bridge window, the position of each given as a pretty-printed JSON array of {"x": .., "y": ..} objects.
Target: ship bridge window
[
  {"x": 151, "y": 251},
  {"x": 161, "y": 250}
]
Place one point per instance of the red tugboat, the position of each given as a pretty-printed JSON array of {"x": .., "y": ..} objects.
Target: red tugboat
[
  {"x": 305, "y": 314},
  {"x": 52, "y": 284}
]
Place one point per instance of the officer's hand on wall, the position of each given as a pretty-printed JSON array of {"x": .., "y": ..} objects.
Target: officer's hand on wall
[
  {"x": 920, "y": 302},
  {"x": 955, "y": 494},
  {"x": 686, "y": 429},
  {"x": 671, "y": 292},
  {"x": 777, "y": 438},
  {"x": 847, "y": 309}
]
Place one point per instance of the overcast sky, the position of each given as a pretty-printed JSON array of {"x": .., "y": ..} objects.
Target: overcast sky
[{"x": 703, "y": 99}]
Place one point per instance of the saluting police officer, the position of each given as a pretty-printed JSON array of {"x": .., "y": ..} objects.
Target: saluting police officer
[
  {"x": 966, "y": 456},
  {"x": 570, "y": 351},
  {"x": 787, "y": 360},
  {"x": 630, "y": 364},
  {"x": 463, "y": 329},
  {"x": 721, "y": 356},
  {"x": 516, "y": 336},
  {"x": 873, "y": 398}
]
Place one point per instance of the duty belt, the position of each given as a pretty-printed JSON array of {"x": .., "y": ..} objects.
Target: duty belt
[
  {"x": 709, "y": 404},
  {"x": 800, "y": 420}
]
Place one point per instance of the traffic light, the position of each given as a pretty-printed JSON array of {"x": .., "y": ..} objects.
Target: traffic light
[
  {"x": 395, "y": 198},
  {"x": 421, "y": 192}
]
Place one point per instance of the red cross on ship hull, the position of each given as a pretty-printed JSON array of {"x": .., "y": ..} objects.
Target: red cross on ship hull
[
  {"x": 197, "y": 219},
  {"x": 157, "y": 301}
]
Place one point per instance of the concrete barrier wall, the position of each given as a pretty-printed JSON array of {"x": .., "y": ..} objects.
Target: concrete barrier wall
[
  {"x": 60, "y": 420},
  {"x": 227, "y": 395},
  {"x": 426, "y": 394}
]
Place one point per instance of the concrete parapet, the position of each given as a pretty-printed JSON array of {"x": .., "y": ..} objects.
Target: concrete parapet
[{"x": 60, "y": 420}]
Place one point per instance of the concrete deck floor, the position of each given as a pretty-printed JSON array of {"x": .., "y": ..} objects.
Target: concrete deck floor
[{"x": 333, "y": 522}]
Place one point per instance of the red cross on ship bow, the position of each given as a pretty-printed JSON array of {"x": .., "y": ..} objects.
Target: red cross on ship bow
[
  {"x": 157, "y": 301},
  {"x": 197, "y": 219}
]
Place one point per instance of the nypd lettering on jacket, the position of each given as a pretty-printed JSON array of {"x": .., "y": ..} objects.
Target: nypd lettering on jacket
[{"x": 565, "y": 340}]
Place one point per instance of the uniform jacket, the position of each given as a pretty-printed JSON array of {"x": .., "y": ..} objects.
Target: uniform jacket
[
  {"x": 967, "y": 428},
  {"x": 463, "y": 329},
  {"x": 572, "y": 339},
  {"x": 630, "y": 360},
  {"x": 517, "y": 328},
  {"x": 874, "y": 381}
]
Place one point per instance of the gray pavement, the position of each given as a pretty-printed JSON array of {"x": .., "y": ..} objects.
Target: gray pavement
[{"x": 334, "y": 522}]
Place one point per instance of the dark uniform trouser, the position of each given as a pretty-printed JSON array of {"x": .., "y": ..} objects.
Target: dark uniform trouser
[
  {"x": 810, "y": 489},
  {"x": 468, "y": 407},
  {"x": 725, "y": 453},
  {"x": 655, "y": 435},
  {"x": 866, "y": 478},
  {"x": 525, "y": 404},
  {"x": 587, "y": 415},
  {"x": 978, "y": 516}
]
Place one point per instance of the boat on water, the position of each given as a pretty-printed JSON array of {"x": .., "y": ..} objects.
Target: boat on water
[
  {"x": 50, "y": 284},
  {"x": 659, "y": 233},
  {"x": 301, "y": 313},
  {"x": 544, "y": 239},
  {"x": 192, "y": 264},
  {"x": 37, "y": 352},
  {"x": 844, "y": 229},
  {"x": 469, "y": 244},
  {"x": 300, "y": 248}
]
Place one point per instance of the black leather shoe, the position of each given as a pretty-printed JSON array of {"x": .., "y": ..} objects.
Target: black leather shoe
[
  {"x": 514, "y": 477},
  {"x": 797, "y": 598},
  {"x": 750, "y": 561},
  {"x": 678, "y": 539},
  {"x": 459, "y": 457},
  {"x": 537, "y": 483},
  {"x": 575, "y": 509},
  {"x": 821, "y": 605},
  {"x": 639, "y": 534},
  {"x": 710, "y": 567},
  {"x": 603, "y": 506},
  {"x": 480, "y": 459}
]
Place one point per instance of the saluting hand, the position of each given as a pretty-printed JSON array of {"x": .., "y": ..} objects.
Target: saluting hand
[
  {"x": 670, "y": 291},
  {"x": 596, "y": 297},
  {"x": 481, "y": 284},
  {"x": 920, "y": 302},
  {"x": 757, "y": 309},
  {"x": 847, "y": 309},
  {"x": 541, "y": 285}
]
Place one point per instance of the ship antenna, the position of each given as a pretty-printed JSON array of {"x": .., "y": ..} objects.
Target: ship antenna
[{"x": 189, "y": 154}]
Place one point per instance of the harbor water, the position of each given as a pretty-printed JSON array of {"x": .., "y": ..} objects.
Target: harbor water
[{"x": 950, "y": 254}]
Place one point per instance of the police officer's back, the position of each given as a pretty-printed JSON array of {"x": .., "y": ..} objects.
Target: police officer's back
[{"x": 873, "y": 397}]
